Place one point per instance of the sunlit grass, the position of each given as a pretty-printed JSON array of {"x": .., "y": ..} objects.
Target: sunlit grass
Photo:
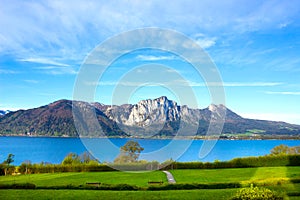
[{"x": 235, "y": 174}]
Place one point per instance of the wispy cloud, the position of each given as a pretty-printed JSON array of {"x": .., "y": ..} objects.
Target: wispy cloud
[
  {"x": 154, "y": 58},
  {"x": 46, "y": 61},
  {"x": 56, "y": 70},
  {"x": 63, "y": 26},
  {"x": 204, "y": 41},
  {"x": 283, "y": 93}
]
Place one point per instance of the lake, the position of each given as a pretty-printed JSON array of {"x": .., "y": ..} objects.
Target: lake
[{"x": 53, "y": 150}]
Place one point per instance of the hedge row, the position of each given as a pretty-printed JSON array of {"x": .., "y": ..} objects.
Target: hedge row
[{"x": 262, "y": 161}]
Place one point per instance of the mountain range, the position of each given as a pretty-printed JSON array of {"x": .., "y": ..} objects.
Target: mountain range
[
  {"x": 158, "y": 117},
  {"x": 4, "y": 112}
]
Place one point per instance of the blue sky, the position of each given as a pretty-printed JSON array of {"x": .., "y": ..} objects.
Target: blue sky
[{"x": 254, "y": 44}]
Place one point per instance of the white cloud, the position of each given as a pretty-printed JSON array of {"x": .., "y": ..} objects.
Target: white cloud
[
  {"x": 43, "y": 61},
  {"x": 154, "y": 58},
  {"x": 204, "y": 41},
  {"x": 58, "y": 26}
]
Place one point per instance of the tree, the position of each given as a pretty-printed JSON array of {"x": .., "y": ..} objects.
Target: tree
[
  {"x": 285, "y": 150},
  {"x": 130, "y": 152},
  {"x": 7, "y": 162},
  {"x": 10, "y": 159},
  {"x": 71, "y": 159}
]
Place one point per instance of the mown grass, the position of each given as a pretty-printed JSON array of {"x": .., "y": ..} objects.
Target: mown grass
[
  {"x": 81, "y": 178},
  {"x": 92, "y": 194},
  {"x": 272, "y": 175},
  {"x": 235, "y": 174}
]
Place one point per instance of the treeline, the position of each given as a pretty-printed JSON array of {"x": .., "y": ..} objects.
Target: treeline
[{"x": 262, "y": 161}]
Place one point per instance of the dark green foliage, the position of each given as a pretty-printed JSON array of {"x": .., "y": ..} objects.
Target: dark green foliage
[
  {"x": 92, "y": 166},
  {"x": 10, "y": 159},
  {"x": 5, "y": 167},
  {"x": 117, "y": 187},
  {"x": 261, "y": 161},
  {"x": 293, "y": 194},
  {"x": 192, "y": 186},
  {"x": 18, "y": 186},
  {"x": 54, "y": 168},
  {"x": 256, "y": 193}
]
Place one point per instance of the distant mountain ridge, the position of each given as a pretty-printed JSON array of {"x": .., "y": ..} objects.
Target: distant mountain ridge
[
  {"x": 158, "y": 117},
  {"x": 4, "y": 112}
]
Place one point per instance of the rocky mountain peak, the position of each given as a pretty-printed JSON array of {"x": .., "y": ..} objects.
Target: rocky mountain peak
[
  {"x": 215, "y": 108},
  {"x": 147, "y": 118}
]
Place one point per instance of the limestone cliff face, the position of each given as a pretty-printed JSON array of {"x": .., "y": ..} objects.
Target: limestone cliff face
[
  {"x": 160, "y": 110},
  {"x": 145, "y": 113}
]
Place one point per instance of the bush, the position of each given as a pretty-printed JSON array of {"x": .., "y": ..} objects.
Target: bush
[
  {"x": 256, "y": 193},
  {"x": 18, "y": 186},
  {"x": 191, "y": 186}
]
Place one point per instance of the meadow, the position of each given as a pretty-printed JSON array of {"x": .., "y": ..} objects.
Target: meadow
[{"x": 284, "y": 180}]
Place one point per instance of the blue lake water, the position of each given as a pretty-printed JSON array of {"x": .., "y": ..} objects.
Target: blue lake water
[{"x": 53, "y": 150}]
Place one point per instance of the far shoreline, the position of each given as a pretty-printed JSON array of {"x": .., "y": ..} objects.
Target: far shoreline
[{"x": 165, "y": 138}]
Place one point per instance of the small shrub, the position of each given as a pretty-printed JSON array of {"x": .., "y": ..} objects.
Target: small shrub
[{"x": 256, "y": 193}]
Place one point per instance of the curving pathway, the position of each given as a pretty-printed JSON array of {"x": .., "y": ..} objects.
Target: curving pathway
[{"x": 170, "y": 177}]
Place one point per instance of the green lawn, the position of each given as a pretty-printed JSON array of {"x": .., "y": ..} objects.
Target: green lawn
[
  {"x": 242, "y": 175},
  {"x": 235, "y": 175},
  {"x": 74, "y": 178},
  {"x": 92, "y": 194}
]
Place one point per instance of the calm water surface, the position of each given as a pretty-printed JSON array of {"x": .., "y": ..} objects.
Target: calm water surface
[{"x": 53, "y": 150}]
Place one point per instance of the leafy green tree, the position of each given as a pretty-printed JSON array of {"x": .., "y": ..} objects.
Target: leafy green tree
[
  {"x": 129, "y": 153},
  {"x": 10, "y": 159},
  {"x": 71, "y": 159},
  {"x": 7, "y": 162},
  {"x": 24, "y": 168}
]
